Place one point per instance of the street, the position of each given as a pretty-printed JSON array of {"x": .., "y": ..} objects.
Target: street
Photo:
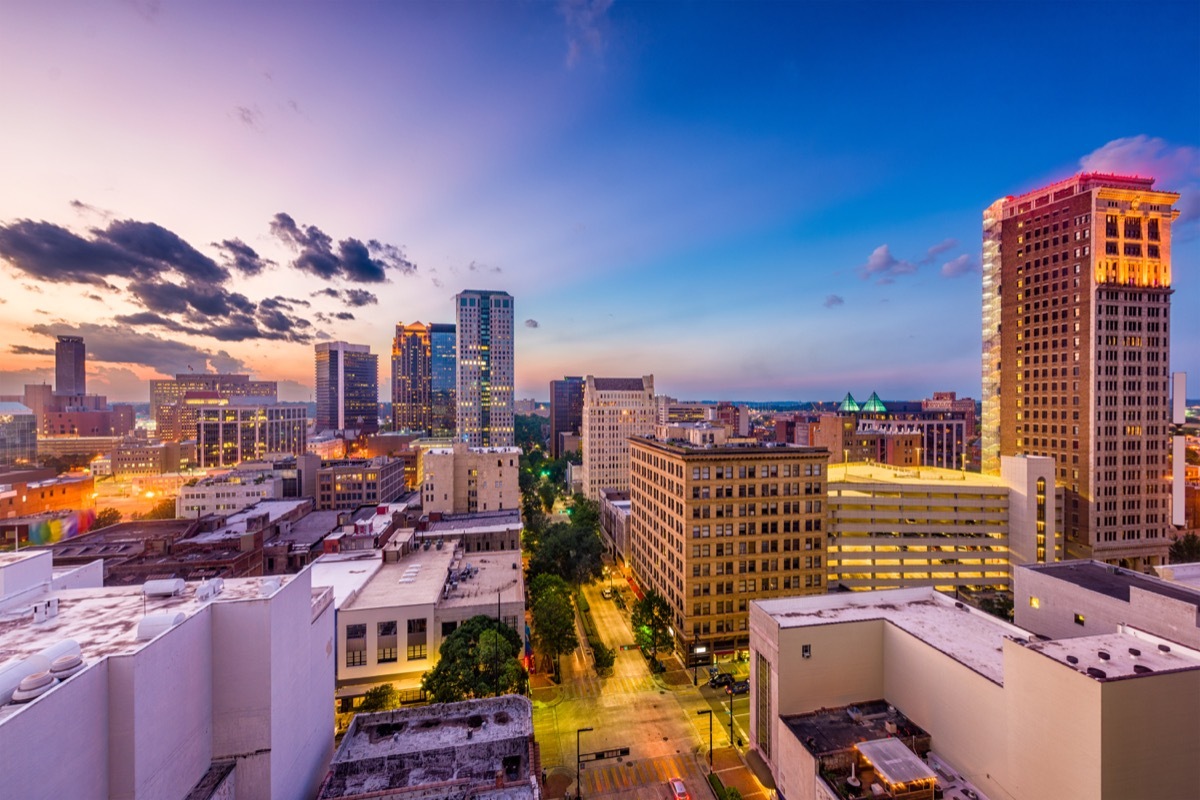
[{"x": 659, "y": 718}]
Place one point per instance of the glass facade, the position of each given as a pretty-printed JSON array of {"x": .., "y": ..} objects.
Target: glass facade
[
  {"x": 347, "y": 384},
  {"x": 423, "y": 378}
]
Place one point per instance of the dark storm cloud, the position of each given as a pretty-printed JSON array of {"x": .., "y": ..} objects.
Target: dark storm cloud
[
  {"x": 360, "y": 297},
  {"x": 344, "y": 315},
  {"x": 353, "y": 261},
  {"x": 156, "y": 243},
  {"x": 334, "y": 293},
  {"x": 208, "y": 300},
  {"x": 149, "y": 318},
  {"x": 52, "y": 253},
  {"x": 242, "y": 257},
  {"x": 24, "y": 350}
]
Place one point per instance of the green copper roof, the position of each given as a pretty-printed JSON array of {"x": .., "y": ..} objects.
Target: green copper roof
[
  {"x": 848, "y": 404},
  {"x": 874, "y": 404}
]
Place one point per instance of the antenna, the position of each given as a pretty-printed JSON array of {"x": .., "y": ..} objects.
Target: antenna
[{"x": 1178, "y": 448}]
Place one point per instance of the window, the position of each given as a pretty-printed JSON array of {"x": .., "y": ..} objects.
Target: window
[
  {"x": 1079, "y": 619},
  {"x": 386, "y": 653},
  {"x": 1035, "y": 602},
  {"x": 416, "y": 639},
  {"x": 806, "y": 651},
  {"x": 356, "y": 645}
]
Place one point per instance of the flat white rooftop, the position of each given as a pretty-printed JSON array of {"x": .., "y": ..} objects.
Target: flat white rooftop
[
  {"x": 1125, "y": 654},
  {"x": 936, "y": 479},
  {"x": 345, "y": 573},
  {"x": 416, "y": 579}
]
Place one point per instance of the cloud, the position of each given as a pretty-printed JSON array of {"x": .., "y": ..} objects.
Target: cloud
[
  {"x": 334, "y": 293},
  {"x": 200, "y": 300},
  {"x": 360, "y": 297},
  {"x": 532, "y": 323},
  {"x": 884, "y": 267},
  {"x": 247, "y": 115},
  {"x": 242, "y": 257},
  {"x": 475, "y": 266},
  {"x": 158, "y": 245},
  {"x": 960, "y": 265},
  {"x": 941, "y": 247},
  {"x": 833, "y": 300},
  {"x": 119, "y": 345},
  {"x": 343, "y": 315},
  {"x": 1176, "y": 168},
  {"x": 24, "y": 350},
  {"x": 584, "y": 19},
  {"x": 52, "y": 253},
  {"x": 354, "y": 261}
]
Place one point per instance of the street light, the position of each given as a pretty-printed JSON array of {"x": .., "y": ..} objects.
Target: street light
[
  {"x": 709, "y": 712},
  {"x": 578, "y": 775},
  {"x": 697, "y": 651}
]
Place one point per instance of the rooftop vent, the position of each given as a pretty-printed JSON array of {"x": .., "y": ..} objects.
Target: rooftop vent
[
  {"x": 1104, "y": 655},
  {"x": 1166, "y": 648},
  {"x": 34, "y": 686},
  {"x": 1133, "y": 651},
  {"x": 1141, "y": 669},
  {"x": 208, "y": 589},
  {"x": 169, "y": 587},
  {"x": 154, "y": 624},
  {"x": 1096, "y": 673},
  {"x": 270, "y": 586},
  {"x": 66, "y": 666},
  {"x": 1072, "y": 660}
]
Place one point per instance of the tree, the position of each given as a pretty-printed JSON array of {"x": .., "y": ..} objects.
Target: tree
[
  {"x": 479, "y": 659},
  {"x": 163, "y": 509},
  {"x": 605, "y": 656},
  {"x": 106, "y": 517},
  {"x": 380, "y": 698},
  {"x": 651, "y": 620},
  {"x": 1185, "y": 549},
  {"x": 547, "y": 493},
  {"x": 553, "y": 617},
  {"x": 568, "y": 552},
  {"x": 584, "y": 513}
]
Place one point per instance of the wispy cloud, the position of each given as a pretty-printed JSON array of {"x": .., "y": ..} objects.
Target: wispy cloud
[
  {"x": 959, "y": 265},
  {"x": 1176, "y": 167},
  {"x": 884, "y": 267},
  {"x": 532, "y": 323},
  {"x": 585, "y": 23},
  {"x": 932, "y": 253},
  {"x": 833, "y": 301}
]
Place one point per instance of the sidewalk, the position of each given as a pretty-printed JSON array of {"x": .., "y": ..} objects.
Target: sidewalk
[{"x": 734, "y": 773}]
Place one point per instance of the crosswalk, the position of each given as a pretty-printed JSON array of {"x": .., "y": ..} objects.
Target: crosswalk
[
  {"x": 610, "y": 777},
  {"x": 591, "y": 686}
]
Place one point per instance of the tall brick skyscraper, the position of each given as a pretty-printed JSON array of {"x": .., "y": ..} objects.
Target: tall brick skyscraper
[{"x": 1076, "y": 354}]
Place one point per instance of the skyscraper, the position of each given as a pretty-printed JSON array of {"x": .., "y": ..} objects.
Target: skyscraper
[
  {"x": 70, "y": 366},
  {"x": 566, "y": 410},
  {"x": 347, "y": 387},
  {"x": 1076, "y": 352},
  {"x": 423, "y": 369},
  {"x": 614, "y": 409},
  {"x": 485, "y": 368}
]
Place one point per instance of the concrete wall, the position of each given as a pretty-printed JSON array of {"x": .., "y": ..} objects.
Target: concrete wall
[
  {"x": 413, "y": 669},
  {"x": 58, "y": 746},
  {"x": 1021, "y": 473},
  {"x": 160, "y": 713},
  {"x": 1151, "y": 755}
]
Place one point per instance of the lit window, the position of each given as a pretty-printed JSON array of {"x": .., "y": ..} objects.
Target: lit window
[
  {"x": 1035, "y": 602},
  {"x": 1079, "y": 619}
]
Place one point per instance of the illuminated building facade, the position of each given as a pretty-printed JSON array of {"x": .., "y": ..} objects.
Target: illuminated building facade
[
  {"x": 176, "y": 423},
  {"x": 229, "y": 435},
  {"x": 485, "y": 368},
  {"x": 351, "y": 483},
  {"x": 18, "y": 434},
  {"x": 423, "y": 378},
  {"x": 712, "y": 528},
  {"x": 347, "y": 383},
  {"x": 613, "y": 410},
  {"x": 1076, "y": 350}
]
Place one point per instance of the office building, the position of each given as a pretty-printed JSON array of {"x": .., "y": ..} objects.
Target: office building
[
  {"x": 566, "y": 411},
  {"x": 462, "y": 480},
  {"x": 670, "y": 409},
  {"x": 482, "y": 748},
  {"x": 423, "y": 379},
  {"x": 959, "y": 532},
  {"x": 347, "y": 388},
  {"x": 174, "y": 414},
  {"x": 354, "y": 482},
  {"x": 229, "y": 435},
  {"x": 1076, "y": 351},
  {"x": 935, "y": 432},
  {"x": 227, "y": 493},
  {"x": 135, "y": 458},
  {"x": 70, "y": 366},
  {"x": 18, "y": 434},
  {"x": 712, "y": 528},
  {"x": 485, "y": 368},
  {"x": 613, "y": 410},
  {"x": 217, "y": 689},
  {"x": 1051, "y": 708}
]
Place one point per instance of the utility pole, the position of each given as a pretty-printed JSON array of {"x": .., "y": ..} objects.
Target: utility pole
[{"x": 710, "y": 724}]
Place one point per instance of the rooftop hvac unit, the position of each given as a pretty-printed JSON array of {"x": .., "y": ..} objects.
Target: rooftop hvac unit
[
  {"x": 34, "y": 686},
  {"x": 154, "y": 624},
  {"x": 170, "y": 587},
  {"x": 210, "y": 588},
  {"x": 64, "y": 667},
  {"x": 270, "y": 586}
]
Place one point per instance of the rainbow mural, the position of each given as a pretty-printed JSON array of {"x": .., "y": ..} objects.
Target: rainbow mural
[{"x": 67, "y": 526}]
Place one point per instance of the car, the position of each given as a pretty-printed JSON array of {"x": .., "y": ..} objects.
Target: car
[
  {"x": 606, "y": 594},
  {"x": 678, "y": 790},
  {"x": 738, "y": 687},
  {"x": 719, "y": 680}
]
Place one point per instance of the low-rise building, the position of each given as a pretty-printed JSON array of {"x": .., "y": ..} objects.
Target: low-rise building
[
  {"x": 614, "y": 523},
  {"x": 351, "y": 483},
  {"x": 481, "y": 532},
  {"x": 996, "y": 709},
  {"x": 39, "y": 491},
  {"x": 206, "y": 690},
  {"x": 462, "y": 479},
  {"x": 227, "y": 493},
  {"x": 396, "y": 606},
  {"x": 481, "y": 748},
  {"x": 140, "y": 457}
]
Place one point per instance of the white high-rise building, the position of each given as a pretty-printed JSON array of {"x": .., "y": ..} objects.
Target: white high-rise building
[
  {"x": 613, "y": 410},
  {"x": 485, "y": 368}
]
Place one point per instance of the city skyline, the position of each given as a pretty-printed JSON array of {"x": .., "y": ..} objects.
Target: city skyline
[{"x": 767, "y": 202}]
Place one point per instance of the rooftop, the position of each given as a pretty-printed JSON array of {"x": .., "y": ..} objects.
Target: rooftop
[
  {"x": 752, "y": 448},
  {"x": 1181, "y": 574},
  {"x": 1116, "y": 582},
  {"x": 619, "y": 384},
  {"x": 239, "y": 523},
  {"x": 1125, "y": 654},
  {"x": 14, "y": 408},
  {"x": 413, "y": 730},
  {"x": 310, "y": 528},
  {"x": 939, "y": 479},
  {"x": 345, "y": 573},
  {"x": 480, "y": 522},
  {"x": 416, "y": 579},
  {"x": 832, "y": 730}
]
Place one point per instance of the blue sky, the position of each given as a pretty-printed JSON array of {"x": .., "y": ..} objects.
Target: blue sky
[{"x": 694, "y": 190}]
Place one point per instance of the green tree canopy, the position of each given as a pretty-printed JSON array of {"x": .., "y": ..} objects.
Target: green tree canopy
[
  {"x": 106, "y": 517},
  {"x": 547, "y": 492},
  {"x": 380, "y": 698},
  {"x": 479, "y": 659},
  {"x": 553, "y": 617},
  {"x": 1185, "y": 549},
  {"x": 651, "y": 620},
  {"x": 569, "y": 552},
  {"x": 585, "y": 514},
  {"x": 163, "y": 509}
]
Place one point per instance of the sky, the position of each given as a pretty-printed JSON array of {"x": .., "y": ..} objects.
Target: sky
[{"x": 753, "y": 201}]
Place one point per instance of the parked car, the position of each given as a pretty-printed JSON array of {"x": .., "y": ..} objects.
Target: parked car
[
  {"x": 606, "y": 593},
  {"x": 738, "y": 687},
  {"x": 678, "y": 790},
  {"x": 719, "y": 680}
]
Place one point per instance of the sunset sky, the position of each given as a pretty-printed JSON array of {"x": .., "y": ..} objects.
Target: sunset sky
[{"x": 750, "y": 201}]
